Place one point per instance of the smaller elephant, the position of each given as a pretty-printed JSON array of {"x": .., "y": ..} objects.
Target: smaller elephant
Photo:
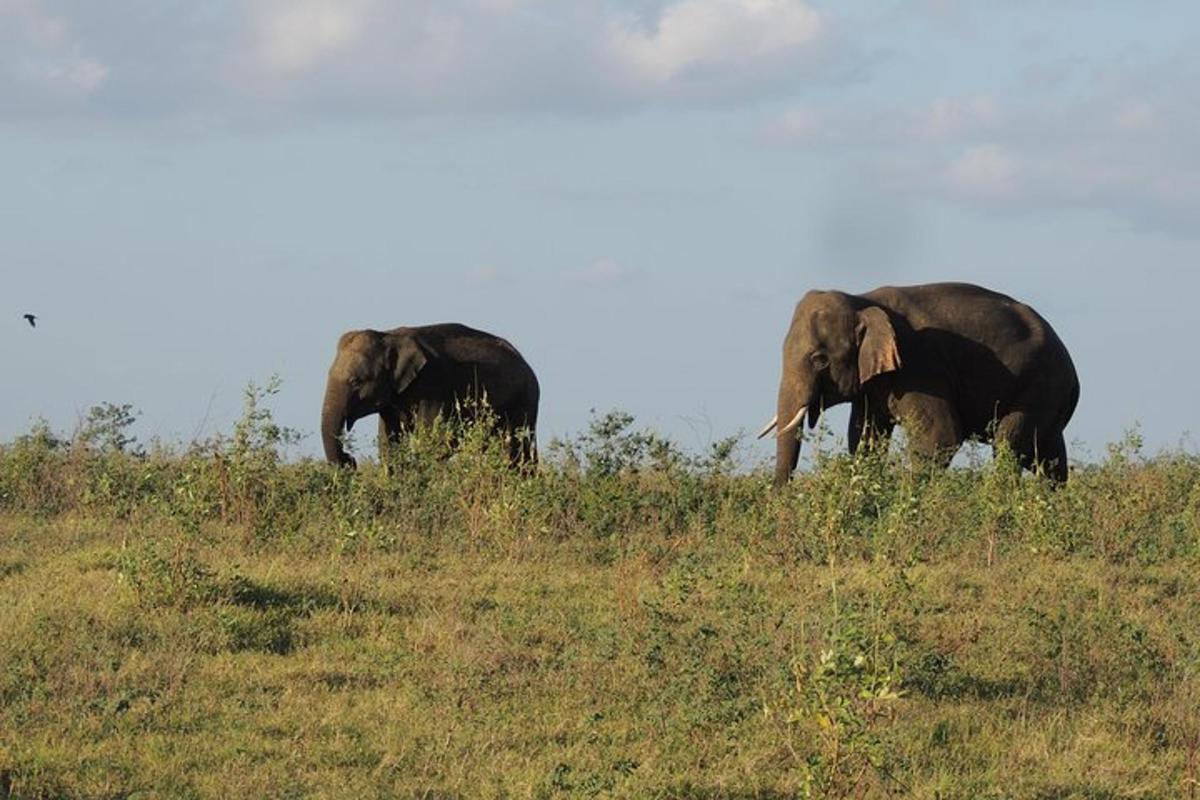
[{"x": 411, "y": 376}]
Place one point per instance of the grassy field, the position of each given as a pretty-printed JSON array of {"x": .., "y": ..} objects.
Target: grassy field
[{"x": 217, "y": 621}]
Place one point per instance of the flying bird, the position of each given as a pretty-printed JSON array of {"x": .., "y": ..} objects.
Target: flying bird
[{"x": 31, "y": 319}]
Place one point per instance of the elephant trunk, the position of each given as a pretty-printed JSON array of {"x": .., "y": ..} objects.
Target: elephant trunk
[
  {"x": 334, "y": 413},
  {"x": 787, "y": 443}
]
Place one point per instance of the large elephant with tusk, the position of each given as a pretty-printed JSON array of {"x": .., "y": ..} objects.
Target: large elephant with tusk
[
  {"x": 948, "y": 361},
  {"x": 411, "y": 376}
]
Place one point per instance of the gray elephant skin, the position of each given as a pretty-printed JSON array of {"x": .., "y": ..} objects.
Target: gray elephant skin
[
  {"x": 410, "y": 376},
  {"x": 948, "y": 361}
]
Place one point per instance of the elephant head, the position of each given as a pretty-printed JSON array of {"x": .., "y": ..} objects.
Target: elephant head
[
  {"x": 836, "y": 344},
  {"x": 369, "y": 373}
]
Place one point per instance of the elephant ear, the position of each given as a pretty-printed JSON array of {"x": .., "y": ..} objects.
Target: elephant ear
[
  {"x": 408, "y": 361},
  {"x": 877, "y": 350}
]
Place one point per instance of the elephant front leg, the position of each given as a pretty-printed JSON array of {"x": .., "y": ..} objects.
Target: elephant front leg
[
  {"x": 389, "y": 435},
  {"x": 869, "y": 423},
  {"x": 932, "y": 424},
  {"x": 431, "y": 417}
]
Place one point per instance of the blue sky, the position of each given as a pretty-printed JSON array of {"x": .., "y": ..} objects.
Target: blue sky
[{"x": 635, "y": 192}]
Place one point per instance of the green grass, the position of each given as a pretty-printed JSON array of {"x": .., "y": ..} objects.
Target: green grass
[{"x": 629, "y": 622}]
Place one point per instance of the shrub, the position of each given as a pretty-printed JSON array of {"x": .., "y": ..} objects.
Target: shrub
[{"x": 846, "y": 694}]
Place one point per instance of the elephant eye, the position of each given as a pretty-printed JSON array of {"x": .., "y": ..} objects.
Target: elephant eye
[{"x": 819, "y": 359}]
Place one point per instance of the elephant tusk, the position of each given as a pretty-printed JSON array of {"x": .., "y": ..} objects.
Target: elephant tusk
[
  {"x": 770, "y": 426},
  {"x": 795, "y": 421}
]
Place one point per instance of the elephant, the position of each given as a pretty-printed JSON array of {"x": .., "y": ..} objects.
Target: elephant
[
  {"x": 410, "y": 376},
  {"x": 948, "y": 361}
]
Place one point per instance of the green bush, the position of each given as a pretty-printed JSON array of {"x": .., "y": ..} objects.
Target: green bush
[
  {"x": 626, "y": 619},
  {"x": 602, "y": 488}
]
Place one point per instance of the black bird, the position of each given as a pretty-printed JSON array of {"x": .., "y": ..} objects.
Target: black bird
[{"x": 30, "y": 318}]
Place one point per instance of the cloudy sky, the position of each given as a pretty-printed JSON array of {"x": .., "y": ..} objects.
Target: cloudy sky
[{"x": 635, "y": 192}]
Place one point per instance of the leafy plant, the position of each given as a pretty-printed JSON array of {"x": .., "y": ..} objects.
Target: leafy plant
[
  {"x": 845, "y": 697},
  {"x": 610, "y": 446},
  {"x": 106, "y": 428}
]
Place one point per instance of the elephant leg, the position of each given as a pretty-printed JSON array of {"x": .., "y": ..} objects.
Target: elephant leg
[
  {"x": 512, "y": 443},
  {"x": 1052, "y": 457},
  {"x": 934, "y": 430},
  {"x": 430, "y": 413},
  {"x": 868, "y": 423},
  {"x": 526, "y": 417},
  {"x": 1034, "y": 450},
  {"x": 389, "y": 434},
  {"x": 519, "y": 439},
  {"x": 389, "y": 427},
  {"x": 426, "y": 413},
  {"x": 1016, "y": 430},
  {"x": 522, "y": 454},
  {"x": 1033, "y": 430},
  {"x": 858, "y": 422},
  {"x": 529, "y": 452}
]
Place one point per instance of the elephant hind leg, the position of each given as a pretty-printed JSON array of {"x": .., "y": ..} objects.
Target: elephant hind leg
[
  {"x": 1052, "y": 457},
  {"x": 523, "y": 451},
  {"x": 515, "y": 446},
  {"x": 1034, "y": 449},
  {"x": 1017, "y": 431},
  {"x": 526, "y": 455},
  {"x": 529, "y": 454},
  {"x": 520, "y": 427}
]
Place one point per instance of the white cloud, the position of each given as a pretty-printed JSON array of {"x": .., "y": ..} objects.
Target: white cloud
[
  {"x": 67, "y": 72},
  {"x": 984, "y": 171},
  {"x": 503, "y": 5},
  {"x": 498, "y": 54},
  {"x": 950, "y": 121},
  {"x": 49, "y": 58},
  {"x": 482, "y": 275},
  {"x": 36, "y": 23},
  {"x": 283, "y": 59},
  {"x": 603, "y": 272},
  {"x": 702, "y": 34},
  {"x": 799, "y": 123},
  {"x": 946, "y": 118},
  {"x": 294, "y": 35},
  {"x": 1125, "y": 149},
  {"x": 1137, "y": 116}
]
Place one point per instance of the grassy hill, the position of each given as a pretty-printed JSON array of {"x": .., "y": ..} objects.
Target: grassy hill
[{"x": 216, "y": 621}]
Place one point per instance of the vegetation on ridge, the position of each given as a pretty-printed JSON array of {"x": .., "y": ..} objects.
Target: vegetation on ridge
[{"x": 217, "y": 620}]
